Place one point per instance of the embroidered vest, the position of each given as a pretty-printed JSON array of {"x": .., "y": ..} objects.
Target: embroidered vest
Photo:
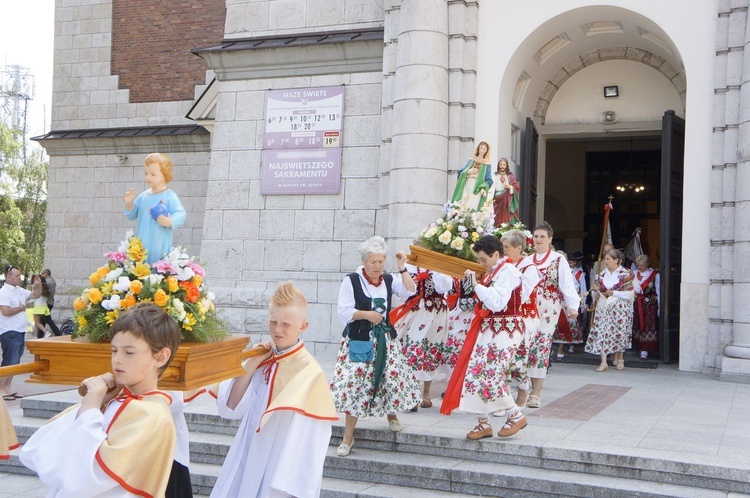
[{"x": 359, "y": 330}]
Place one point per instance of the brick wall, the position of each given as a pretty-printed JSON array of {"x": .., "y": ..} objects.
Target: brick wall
[{"x": 151, "y": 43}]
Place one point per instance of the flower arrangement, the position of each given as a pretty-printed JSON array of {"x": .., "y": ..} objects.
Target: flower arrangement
[
  {"x": 174, "y": 283},
  {"x": 505, "y": 227},
  {"x": 456, "y": 232}
]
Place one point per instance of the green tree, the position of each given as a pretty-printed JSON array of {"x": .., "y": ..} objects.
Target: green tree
[{"x": 23, "y": 203}]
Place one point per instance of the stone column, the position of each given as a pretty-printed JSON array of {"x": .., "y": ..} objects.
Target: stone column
[
  {"x": 736, "y": 363},
  {"x": 419, "y": 145}
]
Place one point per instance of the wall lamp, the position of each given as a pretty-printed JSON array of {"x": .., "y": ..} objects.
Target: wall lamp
[{"x": 611, "y": 91}]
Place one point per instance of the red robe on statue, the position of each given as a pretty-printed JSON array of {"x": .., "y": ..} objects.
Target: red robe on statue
[{"x": 506, "y": 202}]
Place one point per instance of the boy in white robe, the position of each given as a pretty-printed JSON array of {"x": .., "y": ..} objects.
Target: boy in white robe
[
  {"x": 120, "y": 440},
  {"x": 286, "y": 410}
]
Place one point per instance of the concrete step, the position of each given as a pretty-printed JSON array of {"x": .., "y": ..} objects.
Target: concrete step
[
  {"x": 405, "y": 471},
  {"x": 211, "y": 438}
]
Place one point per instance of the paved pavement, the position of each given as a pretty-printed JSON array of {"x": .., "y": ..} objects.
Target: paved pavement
[{"x": 661, "y": 412}]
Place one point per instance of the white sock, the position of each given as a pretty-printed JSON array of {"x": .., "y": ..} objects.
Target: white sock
[{"x": 513, "y": 411}]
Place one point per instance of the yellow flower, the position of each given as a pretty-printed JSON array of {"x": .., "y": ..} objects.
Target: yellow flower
[
  {"x": 474, "y": 236},
  {"x": 458, "y": 243},
  {"x": 137, "y": 253},
  {"x": 82, "y": 322},
  {"x": 94, "y": 295},
  {"x": 201, "y": 308},
  {"x": 107, "y": 288},
  {"x": 197, "y": 280},
  {"x": 161, "y": 298},
  {"x": 111, "y": 316},
  {"x": 141, "y": 270},
  {"x": 172, "y": 284},
  {"x": 128, "y": 302},
  {"x": 189, "y": 321},
  {"x": 445, "y": 237},
  {"x": 79, "y": 304},
  {"x": 136, "y": 286}
]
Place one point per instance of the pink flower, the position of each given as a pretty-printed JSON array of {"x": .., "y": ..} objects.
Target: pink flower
[
  {"x": 163, "y": 267},
  {"x": 119, "y": 257},
  {"x": 197, "y": 269}
]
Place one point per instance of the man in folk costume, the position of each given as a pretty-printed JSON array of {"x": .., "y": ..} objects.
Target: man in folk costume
[
  {"x": 555, "y": 289},
  {"x": 286, "y": 411},
  {"x": 646, "y": 316},
  {"x": 497, "y": 330}
]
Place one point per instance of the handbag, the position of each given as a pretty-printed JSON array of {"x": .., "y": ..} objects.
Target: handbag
[{"x": 361, "y": 351}]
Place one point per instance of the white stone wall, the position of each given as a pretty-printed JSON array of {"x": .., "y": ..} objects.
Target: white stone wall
[{"x": 253, "y": 242}]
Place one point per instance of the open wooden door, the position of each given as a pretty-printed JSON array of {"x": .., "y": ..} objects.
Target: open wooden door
[
  {"x": 670, "y": 254},
  {"x": 530, "y": 165}
]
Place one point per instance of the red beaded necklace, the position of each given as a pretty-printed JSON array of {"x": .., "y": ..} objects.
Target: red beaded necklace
[
  {"x": 380, "y": 280},
  {"x": 549, "y": 251}
]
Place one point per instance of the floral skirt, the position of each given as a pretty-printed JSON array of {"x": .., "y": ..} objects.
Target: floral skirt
[
  {"x": 459, "y": 322},
  {"x": 541, "y": 340},
  {"x": 484, "y": 389},
  {"x": 423, "y": 335},
  {"x": 568, "y": 331},
  {"x": 612, "y": 327},
  {"x": 353, "y": 383},
  {"x": 518, "y": 369},
  {"x": 647, "y": 337}
]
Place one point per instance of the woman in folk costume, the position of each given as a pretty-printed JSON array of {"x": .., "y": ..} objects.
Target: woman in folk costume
[
  {"x": 8, "y": 439},
  {"x": 497, "y": 330},
  {"x": 613, "y": 315},
  {"x": 555, "y": 289},
  {"x": 505, "y": 194},
  {"x": 514, "y": 242},
  {"x": 421, "y": 324},
  {"x": 372, "y": 377},
  {"x": 569, "y": 331},
  {"x": 646, "y": 317},
  {"x": 474, "y": 179}
]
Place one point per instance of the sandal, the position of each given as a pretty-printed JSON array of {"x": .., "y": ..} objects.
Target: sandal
[
  {"x": 17, "y": 396},
  {"x": 8, "y": 397},
  {"x": 426, "y": 403},
  {"x": 481, "y": 431},
  {"x": 534, "y": 401}
]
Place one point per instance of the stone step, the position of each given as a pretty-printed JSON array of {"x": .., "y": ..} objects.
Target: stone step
[
  {"x": 469, "y": 477},
  {"x": 211, "y": 437}
]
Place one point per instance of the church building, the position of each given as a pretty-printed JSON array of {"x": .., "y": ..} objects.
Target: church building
[{"x": 299, "y": 128}]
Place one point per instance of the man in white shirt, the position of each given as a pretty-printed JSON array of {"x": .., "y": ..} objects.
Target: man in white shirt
[{"x": 13, "y": 323}]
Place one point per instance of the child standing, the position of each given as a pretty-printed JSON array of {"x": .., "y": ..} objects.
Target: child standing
[
  {"x": 121, "y": 439},
  {"x": 286, "y": 410},
  {"x": 40, "y": 309}
]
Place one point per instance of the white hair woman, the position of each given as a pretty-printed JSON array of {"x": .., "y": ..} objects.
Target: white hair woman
[{"x": 372, "y": 377}]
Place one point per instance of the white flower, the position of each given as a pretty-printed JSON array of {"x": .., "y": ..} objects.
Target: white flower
[
  {"x": 457, "y": 243},
  {"x": 210, "y": 296},
  {"x": 111, "y": 304},
  {"x": 179, "y": 307},
  {"x": 461, "y": 228},
  {"x": 113, "y": 275},
  {"x": 155, "y": 278},
  {"x": 184, "y": 273},
  {"x": 122, "y": 285},
  {"x": 445, "y": 237},
  {"x": 440, "y": 221},
  {"x": 430, "y": 232},
  {"x": 480, "y": 229}
]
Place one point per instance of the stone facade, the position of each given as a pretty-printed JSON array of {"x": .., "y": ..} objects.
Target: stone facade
[{"x": 413, "y": 102}]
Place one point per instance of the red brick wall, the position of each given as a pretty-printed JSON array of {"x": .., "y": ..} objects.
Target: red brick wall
[{"x": 151, "y": 43}]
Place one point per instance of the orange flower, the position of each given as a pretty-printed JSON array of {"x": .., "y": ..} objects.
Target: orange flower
[
  {"x": 128, "y": 302},
  {"x": 136, "y": 286},
  {"x": 161, "y": 298},
  {"x": 197, "y": 280},
  {"x": 94, "y": 295},
  {"x": 192, "y": 294},
  {"x": 79, "y": 304},
  {"x": 99, "y": 274},
  {"x": 172, "y": 284}
]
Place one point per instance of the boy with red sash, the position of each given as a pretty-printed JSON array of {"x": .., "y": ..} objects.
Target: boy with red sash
[{"x": 497, "y": 330}]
